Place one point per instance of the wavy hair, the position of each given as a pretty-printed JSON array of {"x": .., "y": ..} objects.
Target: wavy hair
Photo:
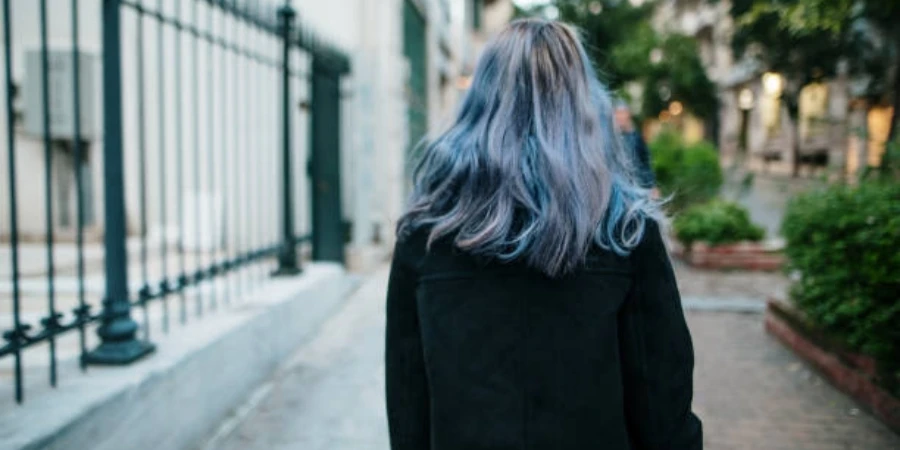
[{"x": 532, "y": 168}]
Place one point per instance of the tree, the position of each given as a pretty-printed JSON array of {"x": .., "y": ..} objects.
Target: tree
[
  {"x": 620, "y": 40},
  {"x": 678, "y": 76},
  {"x": 805, "y": 40}
]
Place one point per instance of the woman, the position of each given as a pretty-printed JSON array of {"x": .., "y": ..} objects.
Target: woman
[{"x": 531, "y": 302}]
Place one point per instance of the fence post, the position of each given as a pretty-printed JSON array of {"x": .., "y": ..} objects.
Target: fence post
[
  {"x": 117, "y": 331},
  {"x": 325, "y": 132},
  {"x": 287, "y": 256}
]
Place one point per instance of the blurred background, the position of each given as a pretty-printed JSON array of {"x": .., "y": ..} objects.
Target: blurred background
[{"x": 198, "y": 201}]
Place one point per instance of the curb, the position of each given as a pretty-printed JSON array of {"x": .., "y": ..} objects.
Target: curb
[
  {"x": 852, "y": 382},
  {"x": 199, "y": 374}
]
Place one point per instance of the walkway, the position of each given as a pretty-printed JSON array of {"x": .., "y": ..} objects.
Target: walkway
[{"x": 751, "y": 392}]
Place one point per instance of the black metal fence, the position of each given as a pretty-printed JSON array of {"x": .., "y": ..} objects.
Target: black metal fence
[{"x": 198, "y": 137}]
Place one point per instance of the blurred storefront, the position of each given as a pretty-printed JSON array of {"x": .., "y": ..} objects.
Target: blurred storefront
[{"x": 839, "y": 131}]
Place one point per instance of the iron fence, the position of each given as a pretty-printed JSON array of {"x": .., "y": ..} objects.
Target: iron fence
[{"x": 200, "y": 108}]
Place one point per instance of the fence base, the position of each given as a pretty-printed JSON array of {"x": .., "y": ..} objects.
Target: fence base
[
  {"x": 287, "y": 271},
  {"x": 119, "y": 353}
]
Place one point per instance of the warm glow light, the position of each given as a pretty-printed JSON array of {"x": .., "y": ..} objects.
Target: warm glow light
[
  {"x": 463, "y": 82},
  {"x": 746, "y": 99},
  {"x": 773, "y": 83},
  {"x": 665, "y": 116},
  {"x": 676, "y": 108}
]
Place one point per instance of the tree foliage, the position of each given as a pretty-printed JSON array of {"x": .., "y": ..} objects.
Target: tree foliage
[{"x": 620, "y": 40}]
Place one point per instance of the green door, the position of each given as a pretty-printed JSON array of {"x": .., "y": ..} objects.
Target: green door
[{"x": 415, "y": 51}]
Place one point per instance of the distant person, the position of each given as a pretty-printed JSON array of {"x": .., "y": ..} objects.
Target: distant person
[
  {"x": 636, "y": 145},
  {"x": 531, "y": 301}
]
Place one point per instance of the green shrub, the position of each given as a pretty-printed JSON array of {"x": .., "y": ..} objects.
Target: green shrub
[
  {"x": 845, "y": 244},
  {"x": 690, "y": 174},
  {"x": 716, "y": 222}
]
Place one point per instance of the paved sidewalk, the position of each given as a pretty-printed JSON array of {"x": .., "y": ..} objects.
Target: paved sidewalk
[{"x": 751, "y": 392}]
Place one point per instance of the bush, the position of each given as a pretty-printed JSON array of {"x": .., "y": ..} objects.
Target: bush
[
  {"x": 690, "y": 174},
  {"x": 716, "y": 222},
  {"x": 845, "y": 244}
]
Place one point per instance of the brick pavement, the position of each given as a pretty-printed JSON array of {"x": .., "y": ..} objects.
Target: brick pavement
[
  {"x": 729, "y": 284},
  {"x": 751, "y": 392}
]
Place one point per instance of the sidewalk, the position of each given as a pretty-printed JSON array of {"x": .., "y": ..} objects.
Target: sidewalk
[{"x": 750, "y": 392}]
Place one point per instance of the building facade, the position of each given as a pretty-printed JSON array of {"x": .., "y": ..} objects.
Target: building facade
[{"x": 839, "y": 133}]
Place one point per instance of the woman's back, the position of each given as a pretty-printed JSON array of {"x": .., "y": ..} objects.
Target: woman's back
[{"x": 512, "y": 359}]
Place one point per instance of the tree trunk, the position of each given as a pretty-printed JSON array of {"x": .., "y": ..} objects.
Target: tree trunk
[
  {"x": 792, "y": 102},
  {"x": 795, "y": 170},
  {"x": 896, "y": 103},
  {"x": 892, "y": 133}
]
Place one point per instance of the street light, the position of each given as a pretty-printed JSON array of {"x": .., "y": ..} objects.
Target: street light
[
  {"x": 665, "y": 93},
  {"x": 551, "y": 12},
  {"x": 676, "y": 108},
  {"x": 773, "y": 83}
]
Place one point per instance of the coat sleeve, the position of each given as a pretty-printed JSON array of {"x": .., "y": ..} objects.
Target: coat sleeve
[
  {"x": 405, "y": 379},
  {"x": 657, "y": 354}
]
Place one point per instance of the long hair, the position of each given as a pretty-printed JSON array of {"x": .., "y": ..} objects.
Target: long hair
[{"x": 532, "y": 168}]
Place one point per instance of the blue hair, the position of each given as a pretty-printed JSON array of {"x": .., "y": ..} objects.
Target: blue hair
[{"x": 532, "y": 168}]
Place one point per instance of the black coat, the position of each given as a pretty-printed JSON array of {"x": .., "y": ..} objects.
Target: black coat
[
  {"x": 641, "y": 158},
  {"x": 484, "y": 355}
]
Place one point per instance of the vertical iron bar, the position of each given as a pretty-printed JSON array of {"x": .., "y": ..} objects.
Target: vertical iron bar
[
  {"x": 179, "y": 149},
  {"x": 117, "y": 331},
  {"x": 163, "y": 216},
  {"x": 144, "y": 293},
  {"x": 226, "y": 158},
  {"x": 257, "y": 237},
  {"x": 211, "y": 174},
  {"x": 262, "y": 235},
  {"x": 198, "y": 267},
  {"x": 51, "y": 322},
  {"x": 236, "y": 174},
  {"x": 246, "y": 102},
  {"x": 258, "y": 170},
  {"x": 272, "y": 235},
  {"x": 287, "y": 257},
  {"x": 13, "y": 203},
  {"x": 82, "y": 311}
]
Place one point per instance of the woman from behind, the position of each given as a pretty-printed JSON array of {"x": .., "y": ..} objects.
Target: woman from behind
[{"x": 531, "y": 302}]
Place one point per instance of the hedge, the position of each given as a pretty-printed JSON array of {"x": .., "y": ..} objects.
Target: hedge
[
  {"x": 716, "y": 222},
  {"x": 845, "y": 244}
]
